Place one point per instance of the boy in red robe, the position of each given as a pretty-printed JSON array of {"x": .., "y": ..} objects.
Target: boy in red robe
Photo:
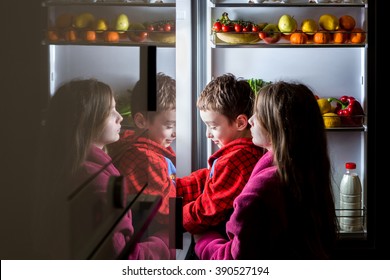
[
  {"x": 143, "y": 154},
  {"x": 225, "y": 107}
]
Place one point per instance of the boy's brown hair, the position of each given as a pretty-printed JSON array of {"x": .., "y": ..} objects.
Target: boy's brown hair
[
  {"x": 227, "y": 95},
  {"x": 166, "y": 95}
]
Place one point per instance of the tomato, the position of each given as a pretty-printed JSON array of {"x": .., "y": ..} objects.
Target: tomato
[
  {"x": 238, "y": 27},
  {"x": 255, "y": 28},
  {"x": 167, "y": 27},
  {"x": 225, "y": 28},
  {"x": 150, "y": 27},
  {"x": 262, "y": 35},
  {"x": 217, "y": 27},
  {"x": 247, "y": 28}
]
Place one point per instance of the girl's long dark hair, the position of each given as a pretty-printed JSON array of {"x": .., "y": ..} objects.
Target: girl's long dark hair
[{"x": 291, "y": 115}]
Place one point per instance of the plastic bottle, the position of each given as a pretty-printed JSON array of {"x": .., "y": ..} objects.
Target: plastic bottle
[{"x": 351, "y": 216}]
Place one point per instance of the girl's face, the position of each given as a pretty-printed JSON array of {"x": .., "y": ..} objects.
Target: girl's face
[
  {"x": 111, "y": 128},
  {"x": 219, "y": 130},
  {"x": 163, "y": 128},
  {"x": 260, "y": 137}
]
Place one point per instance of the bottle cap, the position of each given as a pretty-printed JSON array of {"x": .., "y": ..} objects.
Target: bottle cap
[{"x": 350, "y": 165}]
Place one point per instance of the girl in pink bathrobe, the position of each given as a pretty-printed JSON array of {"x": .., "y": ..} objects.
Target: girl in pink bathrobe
[
  {"x": 286, "y": 209},
  {"x": 75, "y": 205}
]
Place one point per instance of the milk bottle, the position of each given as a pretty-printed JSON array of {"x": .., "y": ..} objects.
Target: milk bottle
[{"x": 351, "y": 218}]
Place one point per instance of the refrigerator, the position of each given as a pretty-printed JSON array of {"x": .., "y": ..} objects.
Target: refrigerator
[{"x": 195, "y": 57}]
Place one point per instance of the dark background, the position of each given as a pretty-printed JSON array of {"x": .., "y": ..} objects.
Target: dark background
[{"x": 24, "y": 91}]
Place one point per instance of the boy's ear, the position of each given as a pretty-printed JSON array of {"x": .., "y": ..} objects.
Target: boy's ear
[
  {"x": 242, "y": 122},
  {"x": 140, "y": 120}
]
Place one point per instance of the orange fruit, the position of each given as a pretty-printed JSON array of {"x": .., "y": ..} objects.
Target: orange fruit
[
  {"x": 90, "y": 35},
  {"x": 52, "y": 35},
  {"x": 298, "y": 38},
  {"x": 340, "y": 36},
  {"x": 321, "y": 37},
  {"x": 71, "y": 35},
  {"x": 357, "y": 36},
  {"x": 111, "y": 36},
  {"x": 347, "y": 22}
]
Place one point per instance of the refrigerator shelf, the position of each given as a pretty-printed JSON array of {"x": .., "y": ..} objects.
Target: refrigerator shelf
[
  {"x": 348, "y": 128},
  {"x": 355, "y": 234},
  {"x": 246, "y": 39},
  {"x": 109, "y": 3},
  {"x": 290, "y": 3}
]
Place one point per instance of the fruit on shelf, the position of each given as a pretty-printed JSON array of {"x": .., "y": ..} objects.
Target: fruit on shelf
[
  {"x": 71, "y": 35},
  {"x": 347, "y": 22},
  {"x": 298, "y": 38},
  {"x": 331, "y": 120},
  {"x": 340, "y": 36},
  {"x": 324, "y": 105},
  {"x": 84, "y": 20},
  {"x": 122, "y": 23},
  {"x": 309, "y": 26},
  {"x": 52, "y": 35},
  {"x": 90, "y": 35},
  {"x": 357, "y": 36},
  {"x": 321, "y": 37},
  {"x": 64, "y": 20},
  {"x": 101, "y": 25},
  {"x": 270, "y": 33},
  {"x": 329, "y": 22},
  {"x": 137, "y": 32},
  {"x": 287, "y": 24},
  {"x": 163, "y": 31},
  {"x": 111, "y": 36}
]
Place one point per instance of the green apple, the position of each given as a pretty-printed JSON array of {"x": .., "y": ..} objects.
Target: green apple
[
  {"x": 122, "y": 23},
  {"x": 270, "y": 33},
  {"x": 287, "y": 24}
]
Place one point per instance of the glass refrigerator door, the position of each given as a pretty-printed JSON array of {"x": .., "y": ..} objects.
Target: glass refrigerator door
[{"x": 121, "y": 62}]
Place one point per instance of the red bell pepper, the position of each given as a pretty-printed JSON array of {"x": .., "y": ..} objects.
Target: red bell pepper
[{"x": 349, "y": 109}]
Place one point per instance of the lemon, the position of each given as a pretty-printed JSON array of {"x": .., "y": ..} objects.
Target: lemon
[
  {"x": 329, "y": 22},
  {"x": 325, "y": 106},
  {"x": 309, "y": 26},
  {"x": 331, "y": 120}
]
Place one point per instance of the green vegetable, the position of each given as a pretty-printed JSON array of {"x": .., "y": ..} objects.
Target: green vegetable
[{"x": 257, "y": 84}]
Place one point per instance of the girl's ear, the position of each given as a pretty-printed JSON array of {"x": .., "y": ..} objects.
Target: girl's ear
[
  {"x": 140, "y": 121},
  {"x": 242, "y": 122}
]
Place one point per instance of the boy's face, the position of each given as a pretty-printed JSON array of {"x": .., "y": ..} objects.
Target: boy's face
[
  {"x": 219, "y": 130},
  {"x": 162, "y": 129}
]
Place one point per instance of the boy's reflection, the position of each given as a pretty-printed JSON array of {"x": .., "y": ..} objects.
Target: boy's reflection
[{"x": 144, "y": 155}]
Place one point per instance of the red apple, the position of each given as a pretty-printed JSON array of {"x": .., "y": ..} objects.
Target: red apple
[
  {"x": 270, "y": 34},
  {"x": 137, "y": 36}
]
